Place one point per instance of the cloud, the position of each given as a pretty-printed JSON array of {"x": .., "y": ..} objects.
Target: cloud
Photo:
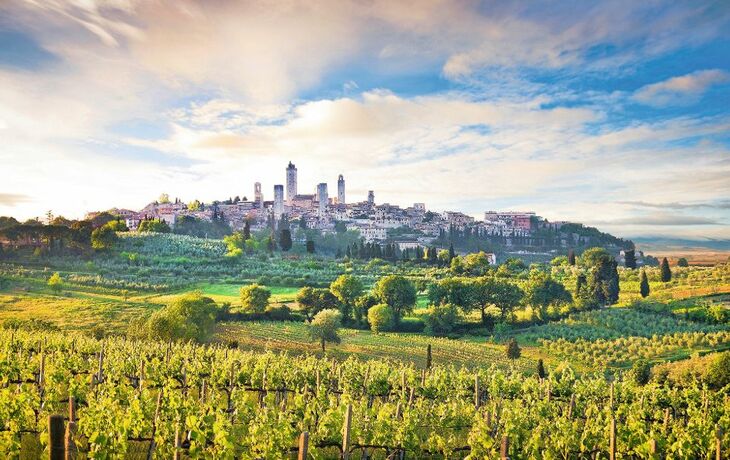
[
  {"x": 13, "y": 199},
  {"x": 681, "y": 90},
  {"x": 723, "y": 204},
  {"x": 659, "y": 219}
]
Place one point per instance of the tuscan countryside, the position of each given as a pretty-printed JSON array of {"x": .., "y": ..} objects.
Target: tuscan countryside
[{"x": 364, "y": 229}]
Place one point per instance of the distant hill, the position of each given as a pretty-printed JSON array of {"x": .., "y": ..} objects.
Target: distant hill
[{"x": 678, "y": 244}]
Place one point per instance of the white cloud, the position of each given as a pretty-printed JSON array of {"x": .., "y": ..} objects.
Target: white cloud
[{"x": 681, "y": 90}]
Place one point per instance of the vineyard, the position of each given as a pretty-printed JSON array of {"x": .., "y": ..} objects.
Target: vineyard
[
  {"x": 156, "y": 400},
  {"x": 409, "y": 348}
]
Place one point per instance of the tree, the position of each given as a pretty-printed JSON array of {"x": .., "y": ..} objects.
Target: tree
[
  {"x": 154, "y": 226},
  {"x": 513, "y": 349},
  {"x": 398, "y": 293},
  {"x": 254, "y": 298},
  {"x": 117, "y": 225},
  {"x": 505, "y": 296},
  {"x": 347, "y": 289},
  {"x": 666, "y": 271},
  {"x": 164, "y": 198},
  {"x": 310, "y": 246},
  {"x": 542, "y": 291},
  {"x": 285, "y": 240},
  {"x": 630, "y": 258},
  {"x": 541, "y": 369},
  {"x": 55, "y": 282},
  {"x": 189, "y": 317},
  {"x": 247, "y": 231},
  {"x": 452, "y": 253},
  {"x": 381, "y": 318},
  {"x": 103, "y": 238},
  {"x": 682, "y": 262},
  {"x": 194, "y": 205},
  {"x": 571, "y": 257},
  {"x": 313, "y": 300},
  {"x": 644, "y": 284},
  {"x": 362, "y": 305},
  {"x": 603, "y": 282},
  {"x": 324, "y": 327}
]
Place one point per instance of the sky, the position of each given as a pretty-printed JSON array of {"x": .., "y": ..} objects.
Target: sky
[{"x": 615, "y": 114}]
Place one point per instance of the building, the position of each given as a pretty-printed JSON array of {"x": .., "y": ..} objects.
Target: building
[
  {"x": 322, "y": 198},
  {"x": 518, "y": 220},
  {"x": 340, "y": 190},
  {"x": 278, "y": 201},
  {"x": 258, "y": 196},
  {"x": 303, "y": 201},
  {"x": 291, "y": 183},
  {"x": 371, "y": 198}
]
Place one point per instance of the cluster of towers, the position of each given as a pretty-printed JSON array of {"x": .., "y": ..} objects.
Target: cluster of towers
[{"x": 322, "y": 196}]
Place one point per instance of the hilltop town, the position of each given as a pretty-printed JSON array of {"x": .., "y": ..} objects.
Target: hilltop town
[{"x": 407, "y": 228}]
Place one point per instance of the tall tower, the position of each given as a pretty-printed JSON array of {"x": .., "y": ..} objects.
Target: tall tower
[
  {"x": 322, "y": 198},
  {"x": 291, "y": 183},
  {"x": 258, "y": 196},
  {"x": 340, "y": 190},
  {"x": 371, "y": 198},
  {"x": 278, "y": 201}
]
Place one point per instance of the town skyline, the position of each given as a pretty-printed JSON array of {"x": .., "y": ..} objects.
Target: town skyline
[{"x": 614, "y": 115}]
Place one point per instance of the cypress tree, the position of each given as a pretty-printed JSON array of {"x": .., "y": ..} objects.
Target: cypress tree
[
  {"x": 310, "y": 247},
  {"x": 246, "y": 231},
  {"x": 285, "y": 240},
  {"x": 541, "y": 369},
  {"x": 571, "y": 257},
  {"x": 452, "y": 253},
  {"x": 666, "y": 271},
  {"x": 644, "y": 285},
  {"x": 513, "y": 349}
]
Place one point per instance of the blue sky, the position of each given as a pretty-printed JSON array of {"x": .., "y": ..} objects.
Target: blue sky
[{"x": 616, "y": 114}]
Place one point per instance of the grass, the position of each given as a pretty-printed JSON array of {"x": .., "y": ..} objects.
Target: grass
[{"x": 75, "y": 311}]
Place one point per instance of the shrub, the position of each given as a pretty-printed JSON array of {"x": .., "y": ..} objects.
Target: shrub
[
  {"x": 415, "y": 325},
  {"x": 254, "y": 298},
  {"x": 279, "y": 313},
  {"x": 441, "y": 319},
  {"x": 55, "y": 282},
  {"x": 380, "y": 318}
]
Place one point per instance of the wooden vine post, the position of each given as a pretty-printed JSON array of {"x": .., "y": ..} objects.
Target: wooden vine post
[
  {"x": 346, "y": 433},
  {"x": 718, "y": 443},
  {"x": 428, "y": 356},
  {"x": 151, "y": 449},
  {"x": 69, "y": 444},
  {"x": 55, "y": 435},
  {"x": 612, "y": 440},
  {"x": 476, "y": 391},
  {"x": 504, "y": 448},
  {"x": 303, "y": 445}
]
